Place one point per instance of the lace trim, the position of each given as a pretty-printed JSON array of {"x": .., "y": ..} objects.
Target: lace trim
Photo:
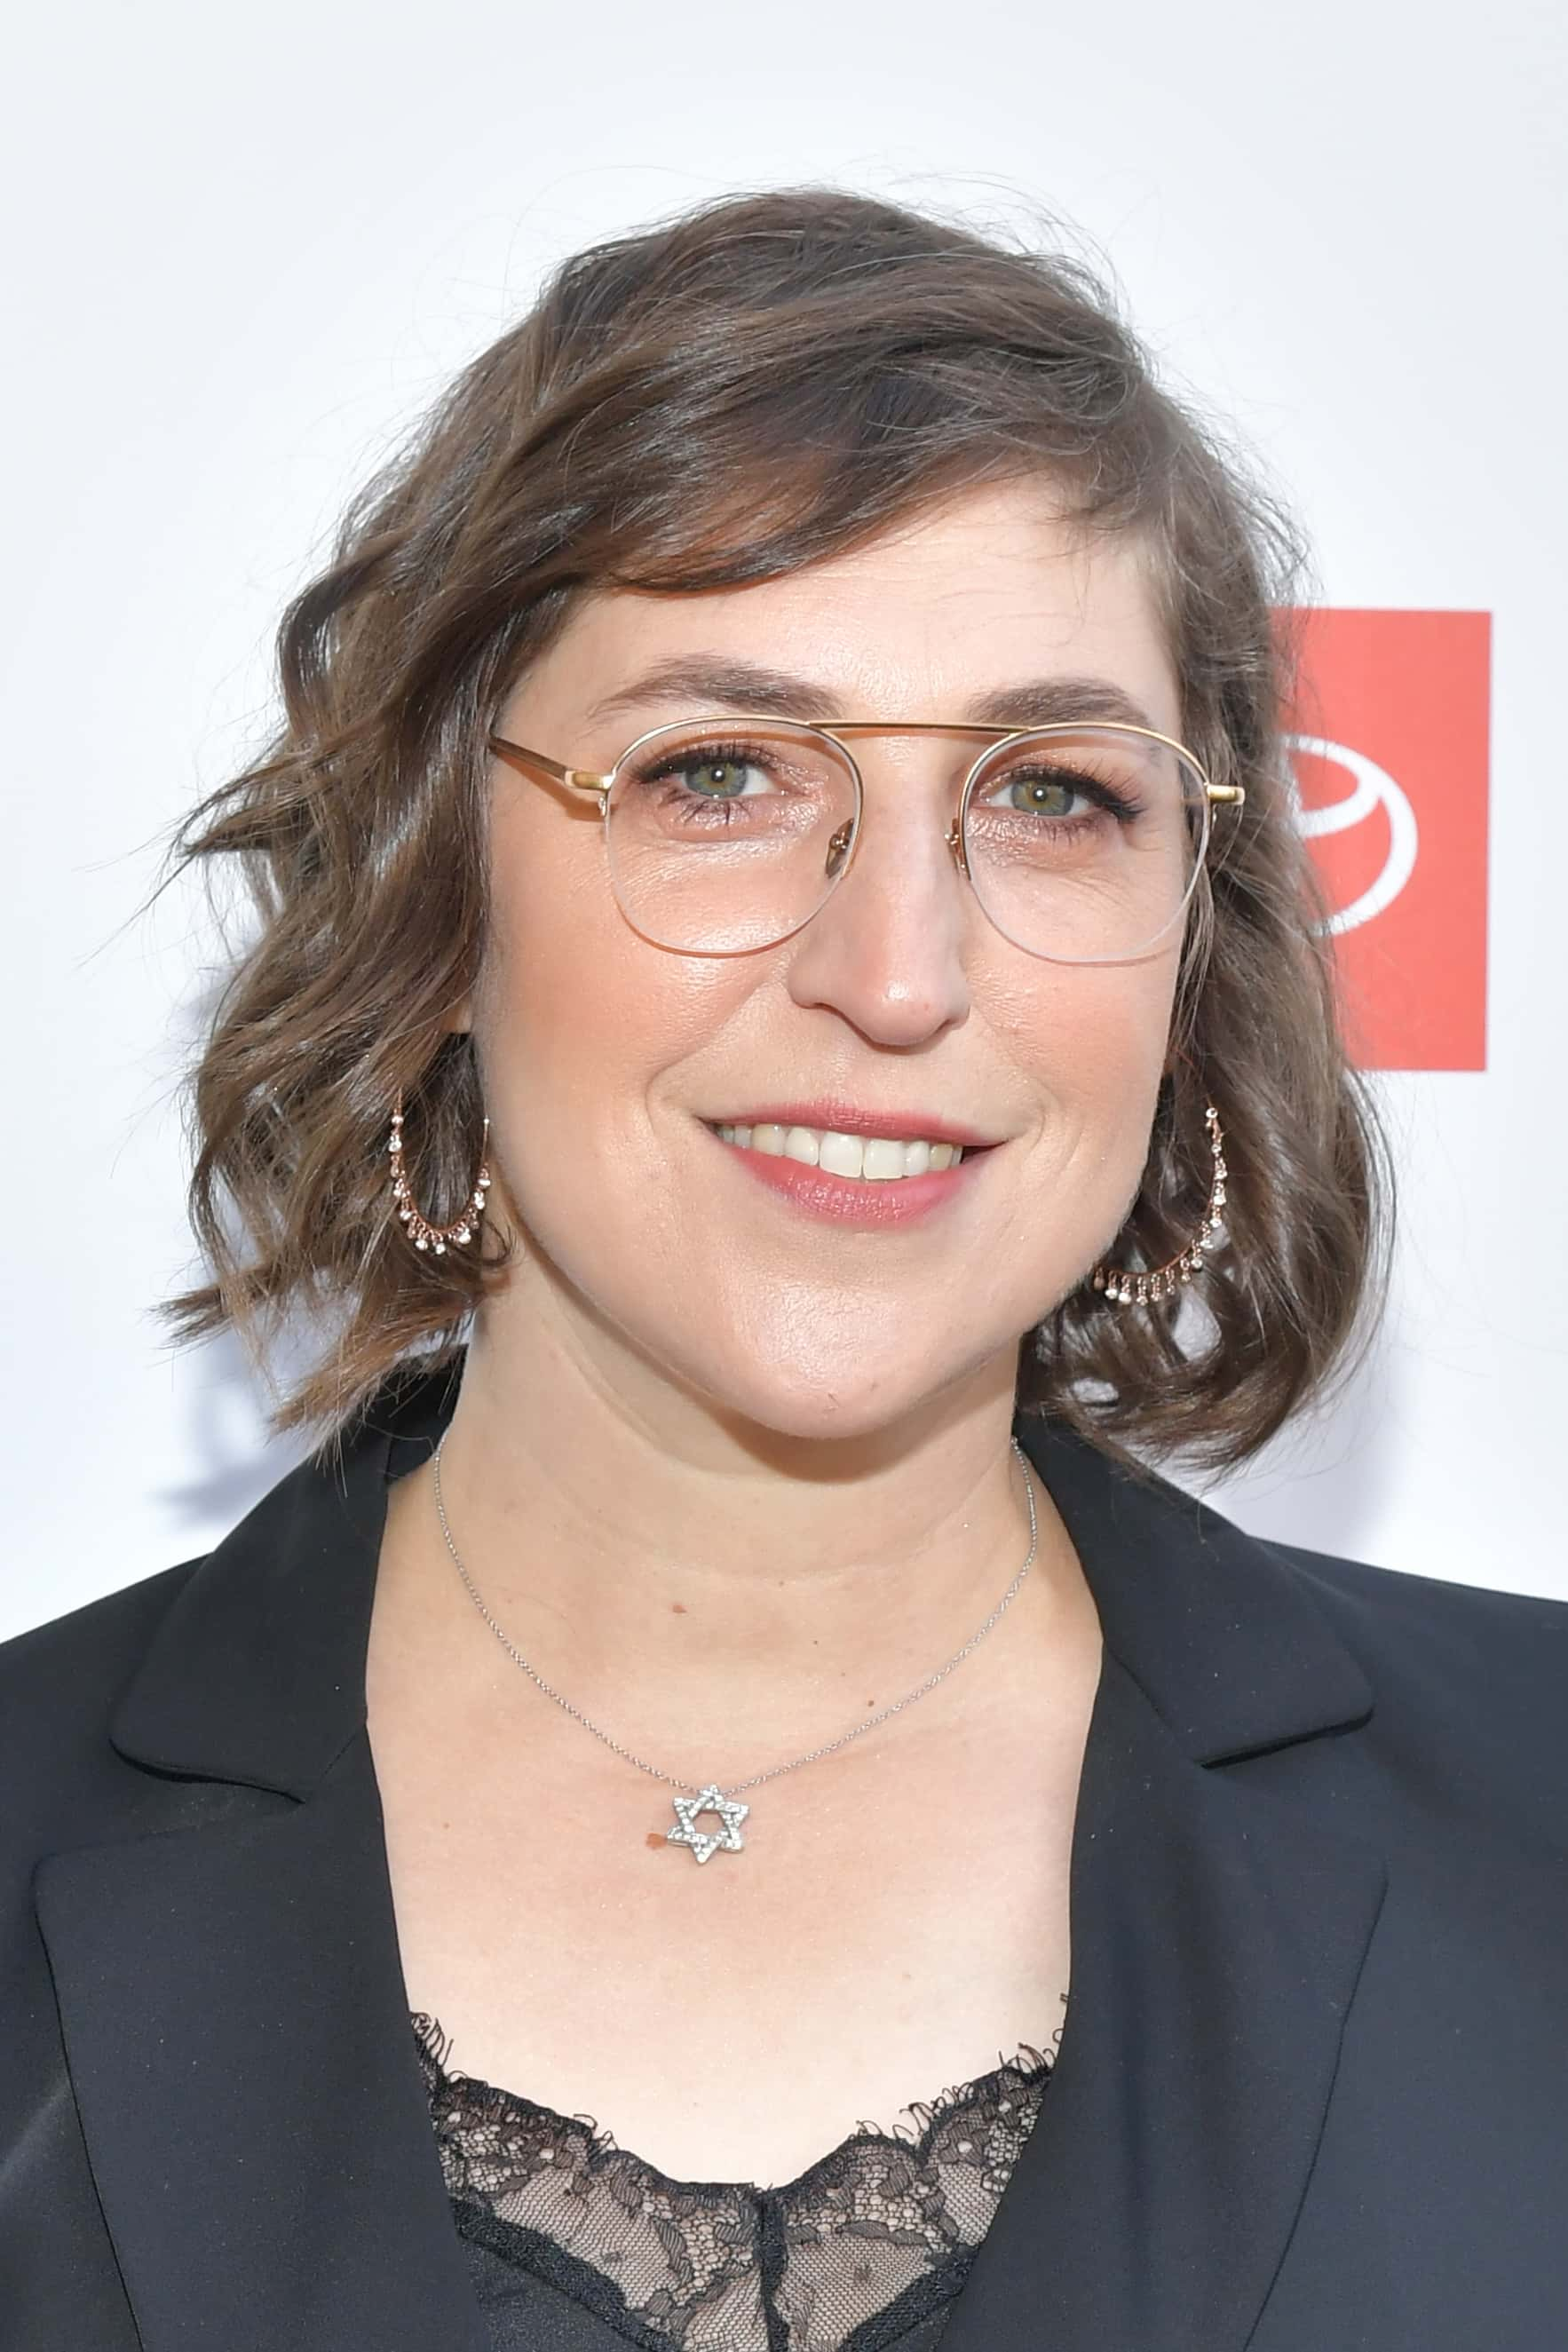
[{"x": 880, "y": 2230}]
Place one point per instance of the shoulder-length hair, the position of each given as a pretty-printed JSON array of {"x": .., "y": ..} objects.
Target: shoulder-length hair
[{"x": 762, "y": 381}]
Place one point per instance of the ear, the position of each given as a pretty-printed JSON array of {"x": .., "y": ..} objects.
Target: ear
[{"x": 460, "y": 1020}]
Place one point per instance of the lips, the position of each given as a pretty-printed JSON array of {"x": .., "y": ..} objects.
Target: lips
[{"x": 819, "y": 1172}]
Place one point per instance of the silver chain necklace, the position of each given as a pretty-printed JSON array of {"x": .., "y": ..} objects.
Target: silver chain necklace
[{"x": 710, "y": 1799}]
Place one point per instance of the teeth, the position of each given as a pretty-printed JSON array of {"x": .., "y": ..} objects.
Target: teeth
[
  {"x": 842, "y": 1155},
  {"x": 873, "y": 1159}
]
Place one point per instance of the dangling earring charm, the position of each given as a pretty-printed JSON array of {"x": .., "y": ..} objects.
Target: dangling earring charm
[
  {"x": 421, "y": 1231},
  {"x": 1126, "y": 1286}
]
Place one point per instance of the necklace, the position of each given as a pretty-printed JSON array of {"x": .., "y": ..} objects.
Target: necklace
[{"x": 704, "y": 1845}]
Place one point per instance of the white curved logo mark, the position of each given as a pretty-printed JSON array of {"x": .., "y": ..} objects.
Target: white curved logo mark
[{"x": 1372, "y": 788}]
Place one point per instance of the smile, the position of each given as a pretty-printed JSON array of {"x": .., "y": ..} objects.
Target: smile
[{"x": 864, "y": 1158}]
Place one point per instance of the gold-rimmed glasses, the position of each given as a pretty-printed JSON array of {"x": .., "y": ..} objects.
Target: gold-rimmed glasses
[{"x": 1083, "y": 843}]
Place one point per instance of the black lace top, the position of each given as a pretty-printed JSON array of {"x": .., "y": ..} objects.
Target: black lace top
[{"x": 577, "y": 2245}]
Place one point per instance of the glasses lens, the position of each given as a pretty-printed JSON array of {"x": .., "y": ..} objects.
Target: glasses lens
[
  {"x": 724, "y": 835},
  {"x": 1084, "y": 842}
]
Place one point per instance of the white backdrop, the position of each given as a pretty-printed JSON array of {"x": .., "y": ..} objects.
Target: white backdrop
[{"x": 246, "y": 246}]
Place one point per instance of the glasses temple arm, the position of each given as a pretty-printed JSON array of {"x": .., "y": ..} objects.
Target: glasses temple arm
[{"x": 536, "y": 764}]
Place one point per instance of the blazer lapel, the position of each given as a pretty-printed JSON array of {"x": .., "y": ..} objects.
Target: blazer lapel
[
  {"x": 230, "y": 1991},
  {"x": 1217, "y": 1932}
]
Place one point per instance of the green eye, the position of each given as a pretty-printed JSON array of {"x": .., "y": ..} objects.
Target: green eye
[
  {"x": 716, "y": 778},
  {"x": 1044, "y": 795}
]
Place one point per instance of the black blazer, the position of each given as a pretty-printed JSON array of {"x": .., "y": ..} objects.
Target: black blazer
[{"x": 1312, "y": 2090}]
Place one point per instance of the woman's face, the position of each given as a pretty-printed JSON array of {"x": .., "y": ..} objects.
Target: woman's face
[{"x": 609, "y": 1063}]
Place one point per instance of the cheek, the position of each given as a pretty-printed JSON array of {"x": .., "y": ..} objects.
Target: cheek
[
  {"x": 1089, "y": 1032},
  {"x": 578, "y": 1016},
  {"x": 1092, "y": 1042}
]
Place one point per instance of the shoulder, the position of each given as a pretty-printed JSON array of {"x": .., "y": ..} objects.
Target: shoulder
[
  {"x": 99, "y": 1637},
  {"x": 1431, "y": 1624},
  {"x": 1470, "y": 1687},
  {"x": 60, "y": 1683}
]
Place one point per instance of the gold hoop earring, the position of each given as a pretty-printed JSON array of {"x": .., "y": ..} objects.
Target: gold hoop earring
[
  {"x": 420, "y": 1231},
  {"x": 1129, "y": 1286}
]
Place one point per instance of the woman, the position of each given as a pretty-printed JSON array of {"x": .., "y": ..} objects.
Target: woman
[{"x": 787, "y": 1046}]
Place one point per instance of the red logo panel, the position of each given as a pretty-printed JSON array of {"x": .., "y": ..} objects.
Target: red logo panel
[{"x": 1389, "y": 743}]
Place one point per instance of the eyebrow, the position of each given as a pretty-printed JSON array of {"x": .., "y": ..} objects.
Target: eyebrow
[{"x": 702, "y": 682}]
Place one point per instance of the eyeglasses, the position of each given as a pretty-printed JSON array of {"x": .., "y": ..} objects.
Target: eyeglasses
[{"x": 1083, "y": 843}]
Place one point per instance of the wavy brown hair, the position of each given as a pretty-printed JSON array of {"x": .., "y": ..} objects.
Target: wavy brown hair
[{"x": 764, "y": 381}]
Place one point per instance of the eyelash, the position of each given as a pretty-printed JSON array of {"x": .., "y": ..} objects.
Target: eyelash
[
  {"x": 1121, "y": 806},
  {"x": 705, "y": 754}
]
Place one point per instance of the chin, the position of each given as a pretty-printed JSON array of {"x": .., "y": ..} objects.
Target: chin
[{"x": 839, "y": 1401}]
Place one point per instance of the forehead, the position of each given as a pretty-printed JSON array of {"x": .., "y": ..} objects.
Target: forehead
[{"x": 987, "y": 590}]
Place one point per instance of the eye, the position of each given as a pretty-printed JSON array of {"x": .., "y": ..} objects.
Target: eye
[
  {"x": 1042, "y": 794},
  {"x": 716, "y": 775},
  {"x": 1062, "y": 794},
  {"x": 709, "y": 773}
]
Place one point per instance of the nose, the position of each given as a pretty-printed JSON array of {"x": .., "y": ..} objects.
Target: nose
[{"x": 889, "y": 948}]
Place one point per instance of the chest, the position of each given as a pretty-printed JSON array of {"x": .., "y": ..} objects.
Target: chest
[{"x": 896, "y": 1921}]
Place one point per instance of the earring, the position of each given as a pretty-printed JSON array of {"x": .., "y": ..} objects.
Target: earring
[
  {"x": 421, "y": 1233},
  {"x": 1126, "y": 1287}
]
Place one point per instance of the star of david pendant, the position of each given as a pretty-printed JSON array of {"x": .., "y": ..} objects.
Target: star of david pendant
[{"x": 705, "y": 1843}]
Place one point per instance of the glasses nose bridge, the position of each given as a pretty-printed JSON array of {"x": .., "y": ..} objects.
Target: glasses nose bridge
[{"x": 836, "y": 730}]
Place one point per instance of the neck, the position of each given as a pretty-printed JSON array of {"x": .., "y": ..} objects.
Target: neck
[{"x": 683, "y": 1575}]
